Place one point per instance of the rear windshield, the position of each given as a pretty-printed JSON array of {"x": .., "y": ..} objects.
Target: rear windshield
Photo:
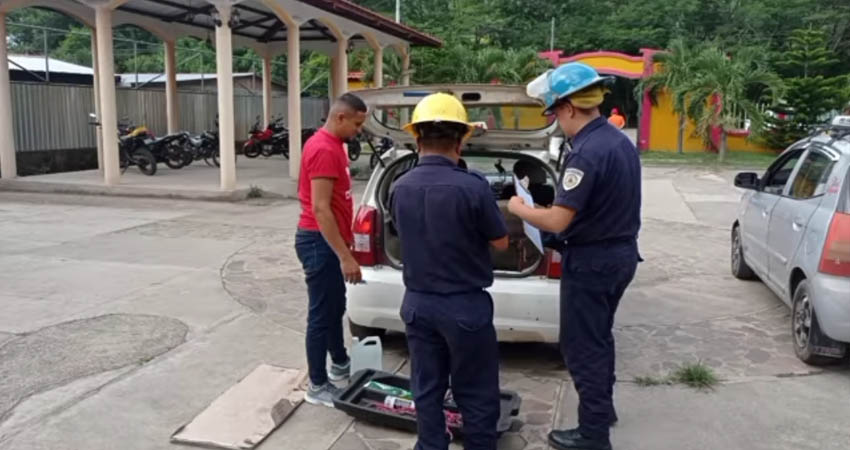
[{"x": 512, "y": 118}]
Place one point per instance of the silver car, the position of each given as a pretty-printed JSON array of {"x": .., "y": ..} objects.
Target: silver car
[
  {"x": 793, "y": 232},
  {"x": 518, "y": 141}
]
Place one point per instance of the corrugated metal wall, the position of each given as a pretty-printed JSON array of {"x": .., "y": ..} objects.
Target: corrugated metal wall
[{"x": 55, "y": 117}]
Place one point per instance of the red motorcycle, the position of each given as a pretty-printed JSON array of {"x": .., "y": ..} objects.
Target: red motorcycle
[{"x": 273, "y": 140}]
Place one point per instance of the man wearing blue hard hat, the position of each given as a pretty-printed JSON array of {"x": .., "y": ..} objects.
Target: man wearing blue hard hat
[{"x": 596, "y": 214}]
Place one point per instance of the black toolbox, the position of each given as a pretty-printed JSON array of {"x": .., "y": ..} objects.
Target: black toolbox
[{"x": 355, "y": 398}]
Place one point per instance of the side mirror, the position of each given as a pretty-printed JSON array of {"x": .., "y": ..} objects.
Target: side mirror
[{"x": 747, "y": 180}]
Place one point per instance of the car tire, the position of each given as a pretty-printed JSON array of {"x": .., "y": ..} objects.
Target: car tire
[
  {"x": 740, "y": 269},
  {"x": 361, "y": 332},
  {"x": 806, "y": 330}
]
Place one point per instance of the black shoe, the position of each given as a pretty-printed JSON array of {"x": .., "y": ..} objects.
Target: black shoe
[{"x": 573, "y": 440}]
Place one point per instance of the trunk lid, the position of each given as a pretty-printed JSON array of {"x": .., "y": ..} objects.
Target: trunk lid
[{"x": 514, "y": 120}]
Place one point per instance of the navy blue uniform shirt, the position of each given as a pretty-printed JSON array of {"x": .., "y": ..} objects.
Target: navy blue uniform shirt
[
  {"x": 446, "y": 218},
  {"x": 601, "y": 182}
]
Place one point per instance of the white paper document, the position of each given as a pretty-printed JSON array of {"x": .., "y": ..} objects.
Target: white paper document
[{"x": 530, "y": 231}]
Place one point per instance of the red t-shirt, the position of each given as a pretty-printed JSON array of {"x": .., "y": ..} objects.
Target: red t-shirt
[{"x": 324, "y": 157}]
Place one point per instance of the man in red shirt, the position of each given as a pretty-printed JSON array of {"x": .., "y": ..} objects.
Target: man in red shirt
[{"x": 322, "y": 243}]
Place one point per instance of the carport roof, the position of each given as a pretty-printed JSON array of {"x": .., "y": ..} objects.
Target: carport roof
[{"x": 254, "y": 20}]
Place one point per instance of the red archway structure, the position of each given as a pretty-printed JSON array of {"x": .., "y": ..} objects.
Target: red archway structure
[{"x": 620, "y": 65}]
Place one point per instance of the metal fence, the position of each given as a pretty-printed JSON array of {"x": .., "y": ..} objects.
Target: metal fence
[{"x": 56, "y": 117}]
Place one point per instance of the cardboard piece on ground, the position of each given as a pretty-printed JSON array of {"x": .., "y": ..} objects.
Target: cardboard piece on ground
[{"x": 248, "y": 412}]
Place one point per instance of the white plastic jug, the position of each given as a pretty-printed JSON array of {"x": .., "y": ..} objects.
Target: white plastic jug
[{"x": 366, "y": 354}]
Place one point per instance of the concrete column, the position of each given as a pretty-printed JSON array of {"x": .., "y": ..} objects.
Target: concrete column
[
  {"x": 405, "y": 67},
  {"x": 267, "y": 89},
  {"x": 8, "y": 164},
  {"x": 224, "y": 73},
  {"x": 96, "y": 91},
  {"x": 293, "y": 61},
  {"x": 379, "y": 67},
  {"x": 405, "y": 81},
  {"x": 108, "y": 114},
  {"x": 332, "y": 92},
  {"x": 341, "y": 66},
  {"x": 172, "y": 111}
]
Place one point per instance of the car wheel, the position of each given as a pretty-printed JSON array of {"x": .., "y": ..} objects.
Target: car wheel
[
  {"x": 361, "y": 332},
  {"x": 806, "y": 330},
  {"x": 740, "y": 269}
]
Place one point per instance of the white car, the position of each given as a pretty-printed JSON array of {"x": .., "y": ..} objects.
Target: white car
[
  {"x": 517, "y": 140},
  {"x": 793, "y": 233}
]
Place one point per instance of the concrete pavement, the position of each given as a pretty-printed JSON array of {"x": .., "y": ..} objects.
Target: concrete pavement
[{"x": 120, "y": 319}]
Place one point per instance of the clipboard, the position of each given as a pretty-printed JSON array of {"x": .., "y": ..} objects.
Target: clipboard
[{"x": 532, "y": 232}]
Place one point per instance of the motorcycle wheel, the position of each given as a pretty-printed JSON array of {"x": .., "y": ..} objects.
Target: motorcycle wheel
[
  {"x": 188, "y": 157},
  {"x": 173, "y": 157},
  {"x": 123, "y": 160},
  {"x": 373, "y": 160},
  {"x": 354, "y": 150},
  {"x": 251, "y": 150},
  {"x": 145, "y": 161},
  {"x": 268, "y": 150},
  {"x": 215, "y": 157}
]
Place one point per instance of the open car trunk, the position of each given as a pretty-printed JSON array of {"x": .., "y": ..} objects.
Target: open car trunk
[{"x": 522, "y": 258}]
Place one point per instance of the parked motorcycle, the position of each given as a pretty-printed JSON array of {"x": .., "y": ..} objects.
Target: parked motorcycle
[
  {"x": 385, "y": 144},
  {"x": 269, "y": 141},
  {"x": 170, "y": 149},
  {"x": 204, "y": 146},
  {"x": 131, "y": 148}
]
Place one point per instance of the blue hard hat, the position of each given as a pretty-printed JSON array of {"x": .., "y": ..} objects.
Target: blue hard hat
[{"x": 564, "y": 81}]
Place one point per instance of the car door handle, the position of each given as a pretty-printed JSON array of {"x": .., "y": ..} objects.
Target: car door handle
[
  {"x": 764, "y": 213},
  {"x": 797, "y": 224}
]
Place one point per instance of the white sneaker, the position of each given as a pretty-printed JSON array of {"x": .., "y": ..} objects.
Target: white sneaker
[{"x": 322, "y": 395}]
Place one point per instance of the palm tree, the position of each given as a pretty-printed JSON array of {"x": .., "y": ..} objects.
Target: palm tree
[
  {"x": 675, "y": 72},
  {"x": 722, "y": 86}
]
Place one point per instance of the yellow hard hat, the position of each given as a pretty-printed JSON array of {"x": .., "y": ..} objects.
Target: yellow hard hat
[{"x": 439, "y": 107}]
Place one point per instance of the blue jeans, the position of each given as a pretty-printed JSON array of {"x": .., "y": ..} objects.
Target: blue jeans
[
  {"x": 326, "y": 292},
  {"x": 593, "y": 281}
]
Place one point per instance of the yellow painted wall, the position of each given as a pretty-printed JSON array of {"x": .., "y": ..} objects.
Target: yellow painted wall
[
  {"x": 613, "y": 62},
  {"x": 358, "y": 85},
  {"x": 523, "y": 118},
  {"x": 663, "y": 132}
]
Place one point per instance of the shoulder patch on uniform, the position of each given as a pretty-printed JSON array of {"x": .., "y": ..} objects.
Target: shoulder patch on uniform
[{"x": 572, "y": 178}]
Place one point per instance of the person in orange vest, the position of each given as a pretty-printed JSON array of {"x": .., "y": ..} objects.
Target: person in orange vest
[{"x": 617, "y": 119}]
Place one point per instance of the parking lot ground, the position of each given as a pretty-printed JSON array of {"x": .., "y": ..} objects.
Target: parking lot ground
[{"x": 120, "y": 319}]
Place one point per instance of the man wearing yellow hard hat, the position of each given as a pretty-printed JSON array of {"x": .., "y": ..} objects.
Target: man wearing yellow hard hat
[
  {"x": 447, "y": 220},
  {"x": 596, "y": 214}
]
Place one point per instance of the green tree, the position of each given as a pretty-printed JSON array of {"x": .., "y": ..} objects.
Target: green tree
[
  {"x": 814, "y": 87},
  {"x": 674, "y": 75},
  {"x": 725, "y": 86}
]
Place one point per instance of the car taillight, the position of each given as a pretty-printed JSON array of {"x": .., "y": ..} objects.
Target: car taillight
[
  {"x": 554, "y": 265},
  {"x": 835, "y": 259},
  {"x": 365, "y": 229}
]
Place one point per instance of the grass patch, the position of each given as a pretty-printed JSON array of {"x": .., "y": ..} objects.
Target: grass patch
[
  {"x": 255, "y": 192},
  {"x": 696, "y": 375},
  {"x": 709, "y": 160}
]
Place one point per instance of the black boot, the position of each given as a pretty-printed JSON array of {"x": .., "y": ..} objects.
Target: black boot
[{"x": 573, "y": 440}]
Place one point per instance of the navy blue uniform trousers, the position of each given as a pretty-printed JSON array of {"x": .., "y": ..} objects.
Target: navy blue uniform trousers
[
  {"x": 452, "y": 343},
  {"x": 593, "y": 280}
]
